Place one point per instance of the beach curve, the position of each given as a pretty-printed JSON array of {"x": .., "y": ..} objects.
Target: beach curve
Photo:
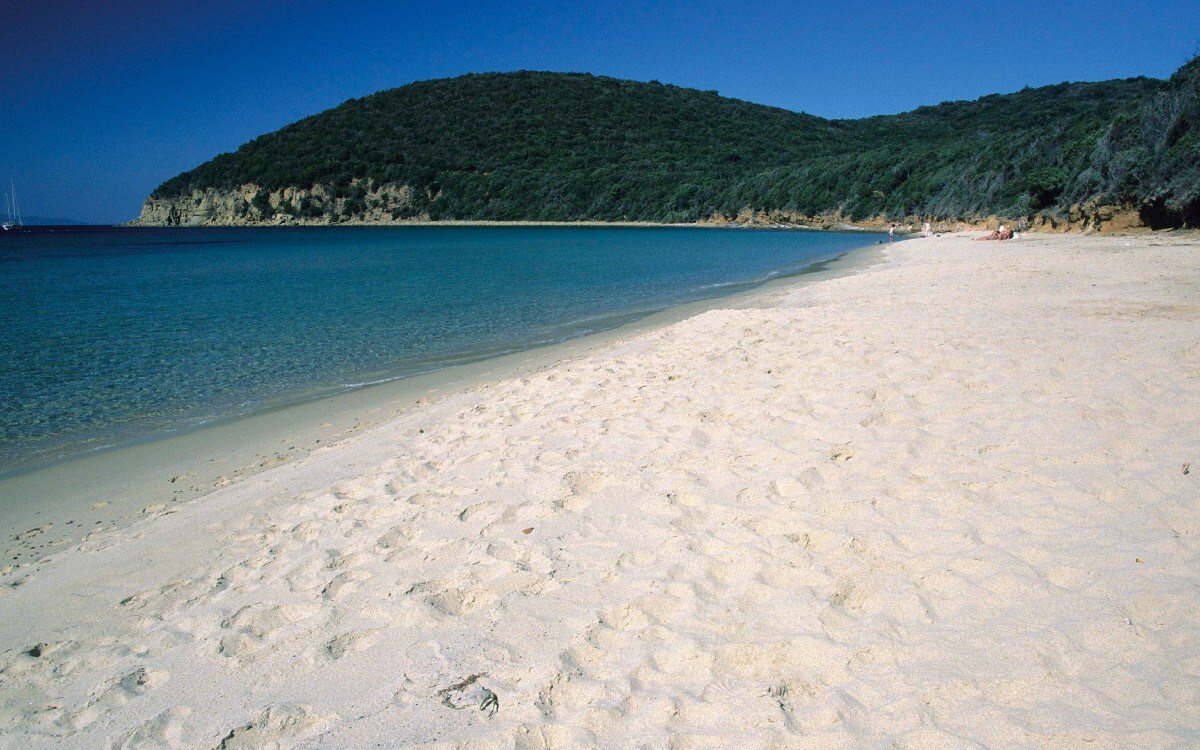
[{"x": 946, "y": 501}]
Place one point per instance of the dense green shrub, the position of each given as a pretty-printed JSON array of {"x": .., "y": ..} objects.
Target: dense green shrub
[
  {"x": 262, "y": 204},
  {"x": 559, "y": 146}
]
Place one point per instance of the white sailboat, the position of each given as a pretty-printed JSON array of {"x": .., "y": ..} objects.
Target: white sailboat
[{"x": 12, "y": 208}]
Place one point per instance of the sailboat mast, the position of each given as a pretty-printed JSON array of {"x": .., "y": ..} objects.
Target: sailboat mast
[{"x": 16, "y": 206}]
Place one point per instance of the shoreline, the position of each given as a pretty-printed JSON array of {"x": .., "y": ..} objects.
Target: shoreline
[
  {"x": 838, "y": 226},
  {"x": 946, "y": 500},
  {"x": 1116, "y": 222},
  {"x": 107, "y": 489}
]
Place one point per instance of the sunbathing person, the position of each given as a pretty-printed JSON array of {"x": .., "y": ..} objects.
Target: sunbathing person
[{"x": 1002, "y": 233}]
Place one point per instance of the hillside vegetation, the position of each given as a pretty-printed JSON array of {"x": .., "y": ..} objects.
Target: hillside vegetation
[{"x": 570, "y": 147}]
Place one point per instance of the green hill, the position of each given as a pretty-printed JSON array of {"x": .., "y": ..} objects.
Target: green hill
[{"x": 571, "y": 147}]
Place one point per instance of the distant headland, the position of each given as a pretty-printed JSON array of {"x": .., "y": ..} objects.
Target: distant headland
[{"x": 559, "y": 147}]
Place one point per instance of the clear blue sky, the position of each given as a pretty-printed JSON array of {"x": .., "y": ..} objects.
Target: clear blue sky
[{"x": 99, "y": 103}]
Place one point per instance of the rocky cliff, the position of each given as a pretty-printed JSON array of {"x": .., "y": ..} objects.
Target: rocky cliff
[{"x": 251, "y": 205}]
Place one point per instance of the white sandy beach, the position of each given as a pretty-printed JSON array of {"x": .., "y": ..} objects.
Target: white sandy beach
[{"x": 943, "y": 502}]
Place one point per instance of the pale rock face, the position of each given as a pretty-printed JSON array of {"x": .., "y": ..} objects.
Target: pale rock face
[{"x": 236, "y": 207}]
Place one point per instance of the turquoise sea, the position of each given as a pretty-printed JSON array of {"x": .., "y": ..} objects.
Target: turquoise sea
[{"x": 110, "y": 336}]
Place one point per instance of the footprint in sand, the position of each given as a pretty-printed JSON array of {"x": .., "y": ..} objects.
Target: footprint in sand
[
  {"x": 453, "y": 600},
  {"x": 257, "y": 628},
  {"x": 279, "y": 728},
  {"x": 111, "y": 693},
  {"x": 347, "y": 644},
  {"x": 344, "y": 583},
  {"x": 163, "y": 731}
]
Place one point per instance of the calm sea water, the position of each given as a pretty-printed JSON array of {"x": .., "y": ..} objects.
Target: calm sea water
[{"x": 109, "y": 336}]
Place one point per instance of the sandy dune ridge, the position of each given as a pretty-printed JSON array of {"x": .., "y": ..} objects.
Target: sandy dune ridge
[{"x": 944, "y": 502}]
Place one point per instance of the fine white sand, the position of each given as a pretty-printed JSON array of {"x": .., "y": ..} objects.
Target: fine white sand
[{"x": 939, "y": 503}]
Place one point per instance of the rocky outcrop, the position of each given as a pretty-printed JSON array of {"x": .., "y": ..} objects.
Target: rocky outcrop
[
  {"x": 1086, "y": 217},
  {"x": 364, "y": 203},
  {"x": 249, "y": 205}
]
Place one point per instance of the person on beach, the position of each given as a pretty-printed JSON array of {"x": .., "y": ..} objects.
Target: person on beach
[
  {"x": 891, "y": 231},
  {"x": 928, "y": 230},
  {"x": 1003, "y": 233}
]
